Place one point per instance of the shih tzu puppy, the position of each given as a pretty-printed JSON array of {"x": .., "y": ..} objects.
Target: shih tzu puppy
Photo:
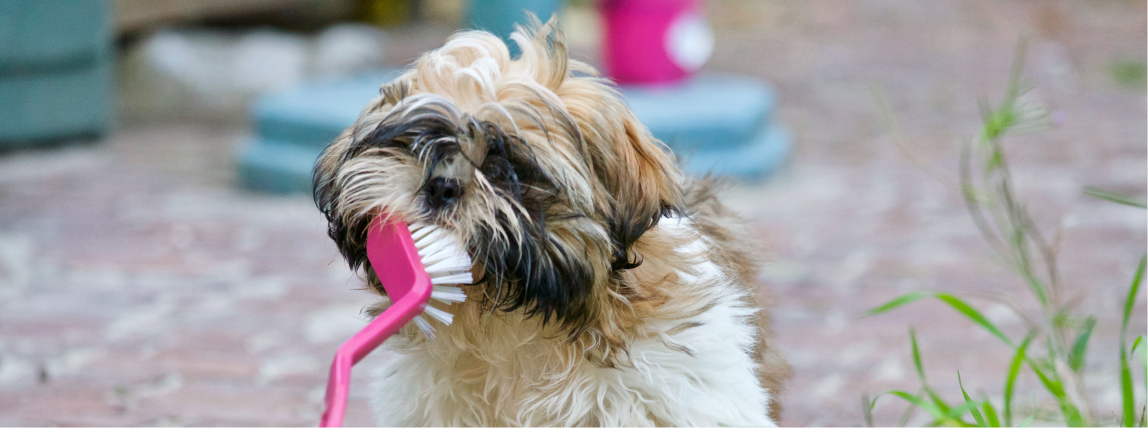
[{"x": 611, "y": 290}]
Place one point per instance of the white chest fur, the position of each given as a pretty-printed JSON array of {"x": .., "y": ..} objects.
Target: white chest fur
[{"x": 691, "y": 371}]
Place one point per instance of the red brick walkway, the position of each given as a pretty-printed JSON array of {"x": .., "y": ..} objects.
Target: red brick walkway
[{"x": 139, "y": 287}]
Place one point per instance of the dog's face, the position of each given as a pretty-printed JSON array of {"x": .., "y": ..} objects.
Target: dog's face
[{"x": 544, "y": 174}]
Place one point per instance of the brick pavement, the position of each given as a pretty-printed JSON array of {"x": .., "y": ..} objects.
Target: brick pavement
[{"x": 138, "y": 286}]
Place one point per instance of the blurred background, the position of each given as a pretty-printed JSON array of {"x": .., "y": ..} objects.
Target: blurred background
[{"x": 162, "y": 263}]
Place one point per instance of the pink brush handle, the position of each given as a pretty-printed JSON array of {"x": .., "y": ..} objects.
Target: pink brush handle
[{"x": 393, "y": 255}]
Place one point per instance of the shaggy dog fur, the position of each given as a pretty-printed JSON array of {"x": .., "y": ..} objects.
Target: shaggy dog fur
[{"x": 612, "y": 290}]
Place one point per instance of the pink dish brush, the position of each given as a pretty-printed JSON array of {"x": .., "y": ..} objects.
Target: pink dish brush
[{"x": 415, "y": 264}]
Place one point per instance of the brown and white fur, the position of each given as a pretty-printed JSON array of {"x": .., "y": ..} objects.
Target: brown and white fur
[{"x": 613, "y": 291}]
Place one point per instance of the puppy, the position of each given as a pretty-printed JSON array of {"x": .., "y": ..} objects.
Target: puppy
[{"x": 611, "y": 291}]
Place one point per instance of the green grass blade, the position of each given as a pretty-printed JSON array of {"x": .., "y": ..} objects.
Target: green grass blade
[
  {"x": 953, "y": 416},
  {"x": 1129, "y": 397},
  {"x": 1132, "y": 353},
  {"x": 896, "y": 303},
  {"x": 937, "y": 399},
  {"x": 974, "y": 315},
  {"x": 1071, "y": 414},
  {"x": 915, "y": 401},
  {"x": 1027, "y": 421},
  {"x": 1013, "y": 372},
  {"x": 1079, "y": 348},
  {"x": 953, "y": 301},
  {"x": 908, "y": 413},
  {"x": 1114, "y": 197},
  {"x": 1130, "y": 301},
  {"x": 1052, "y": 384},
  {"x": 994, "y": 162},
  {"x": 940, "y": 415},
  {"x": 1143, "y": 362},
  {"x": 991, "y": 414},
  {"x": 917, "y": 355},
  {"x": 968, "y": 400}
]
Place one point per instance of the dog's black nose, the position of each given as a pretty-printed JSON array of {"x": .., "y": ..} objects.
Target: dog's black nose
[{"x": 442, "y": 191}]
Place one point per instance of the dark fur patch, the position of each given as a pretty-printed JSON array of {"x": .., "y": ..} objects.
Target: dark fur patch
[
  {"x": 534, "y": 273},
  {"x": 626, "y": 227}
]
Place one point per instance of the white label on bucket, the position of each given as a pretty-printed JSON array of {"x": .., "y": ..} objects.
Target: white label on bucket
[{"x": 689, "y": 41}]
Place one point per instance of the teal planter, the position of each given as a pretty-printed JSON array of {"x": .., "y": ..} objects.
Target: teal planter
[
  {"x": 277, "y": 166},
  {"x": 499, "y": 16},
  {"x": 56, "y": 69},
  {"x": 58, "y": 104},
  {"x": 719, "y": 124},
  {"x": 706, "y": 113},
  {"x": 53, "y": 34}
]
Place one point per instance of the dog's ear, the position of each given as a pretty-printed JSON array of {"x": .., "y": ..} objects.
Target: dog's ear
[
  {"x": 636, "y": 172},
  {"x": 645, "y": 186}
]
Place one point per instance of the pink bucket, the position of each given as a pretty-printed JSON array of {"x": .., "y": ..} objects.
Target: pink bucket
[{"x": 654, "y": 41}]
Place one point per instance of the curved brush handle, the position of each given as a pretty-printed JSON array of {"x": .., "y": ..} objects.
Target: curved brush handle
[{"x": 395, "y": 259}]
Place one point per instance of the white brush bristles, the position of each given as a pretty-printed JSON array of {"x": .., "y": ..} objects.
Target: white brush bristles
[{"x": 448, "y": 264}]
